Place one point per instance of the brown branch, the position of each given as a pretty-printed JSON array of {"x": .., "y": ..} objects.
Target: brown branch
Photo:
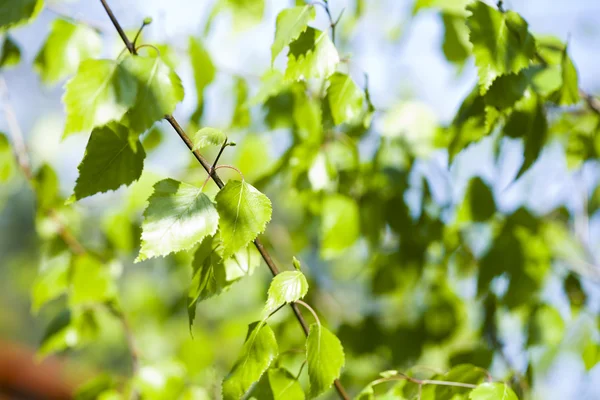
[
  {"x": 215, "y": 177},
  {"x": 63, "y": 231}
]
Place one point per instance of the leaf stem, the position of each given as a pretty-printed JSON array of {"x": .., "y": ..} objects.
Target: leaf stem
[
  {"x": 215, "y": 177},
  {"x": 229, "y": 167},
  {"x": 139, "y": 32},
  {"x": 312, "y": 311}
]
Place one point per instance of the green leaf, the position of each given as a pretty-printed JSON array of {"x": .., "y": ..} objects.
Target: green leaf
[
  {"x": 204, "y": 72},
  {"x": 463, "y": 373},
  {"x": 312, "y": 55},
  {"x": 291, "y": 22},
  {"x": 51, "y": 281},
  {"x": 345, "y": 99},
  {"x": 101, "y": 92},
  {"x": 67, "y": 45},
  {"x": 208, "y": 276},
  {"x": 244, "y": 212},
  {"x": 501, "y": 42},
  {"x": 259, "y": 351},
  {"x": 456, "y": 45},
  {"x": 415, "y": 123},
  {"x": 455, "y": 7},
  {"x": 241, "y": 113},
  {"x": 308, "y": 116},
  {"x": 246, "y": 13},
  {"x": 528, "y": 120},
  {"x": 69, "y": 330},
  {"x": 479, "y": 204},
  {"x": 284, "y": 386},
  {"x": 506, "y": 90},
  {"x": 568, "y": 93},
  {"x": 10, "y": 54},
  {"x": 340, "y": 226},
  {"x": 325, "y": 357},
  {"x": 47, "y": 190},
  {"x": 159, "y": 91},
  {"x": 7, "y": 160},
  {"x": 242, "y": 263},
  {"x": 286, "y": 287},
  {"x": 544, "y": 80},
  {"x": 16, "y": 12},
  {"x": 492, "y": 391},
  {"x": 177, "y": 217},
  {"x": 109, "y": 162},
  {"x": 91, "y": 282},
  {"x": 207, "y": 137}
]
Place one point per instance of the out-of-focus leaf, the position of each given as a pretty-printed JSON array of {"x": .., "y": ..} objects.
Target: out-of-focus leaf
[
  {"x": 414, "y": 123},
  {"x": 568, "y": 93},
  {"x": 291, "y": 22},
  {"x": 312, "y": 55},
  {"x": 67, "y": 45},
  {"x": 109, "y": 162},
  {"x": 479, "y": 204},
  {"x": 244, "y": 212},
  {"x": 308, "y": 116},
  {"x": 464, "y": 373},
  {"x": 455, "y": 7},
  {"x": 492, "y": 391},
  {"x": 325, "y": 359},
  {"x": 259, "y": 351},
  {"x": 10, "y": 55},
  {"x": 204, "y": 72},
  {"x": 345, "y": 98},
  {"x": 456, "y": 45},
  {"x": 246, "y": 13},
  {"x": 501, "y": 42},
  {"x": 546, "y": 327},
  {"x": 284, "y": 386},
  {"x": 166, "y": 380},
  {"x": 51, "y": 281},
  {"x": 7, "y": 163},
  {"x": 178, "y": 216},
  {"x": 69, "y": 330},
  {"x": 16, "y": 12},
  {"x": 340, "y": 226},
  {"x": 207, "y": 137},
  {"x": 241, "y": 113}
]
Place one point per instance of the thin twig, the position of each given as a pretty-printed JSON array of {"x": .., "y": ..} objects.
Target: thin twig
[
  {"x": 312, "y": 311},
  {"x": 219, "y": 182},
  {"x": 214, "y": 164}
]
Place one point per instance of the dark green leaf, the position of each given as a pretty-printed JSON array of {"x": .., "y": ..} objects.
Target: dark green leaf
[
  {"x": 10, "y": 55},
  {"x": 204, "y": 72},
  {"x": 340, "y": 226},
  {"x": 15, "y": 12}
]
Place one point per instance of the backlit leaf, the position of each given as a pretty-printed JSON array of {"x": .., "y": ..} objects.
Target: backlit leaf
[
  {"x": 492, "y": 391},
  {"x": 568, "y": 93},
  {"x": 345, "y": 98},
  {"x": 7, "y": 163},
  {"x": 291, "y": 22},
  {"x": 244, "y": 212},
  {"x": 91, "y": 282},
  {"x": 325, "y": 357},
  {"x": 286, "y": 287},
  {"x": 51, "y": 281},
  {"x": 312, "y": 55},
  {"x": 207, "y": 137},
  {"x": 177, "y": 217},
  {"x": 204, "y": 72},
  {"x": 340, "y": 226},
  {"x": 284, "y": 386}
]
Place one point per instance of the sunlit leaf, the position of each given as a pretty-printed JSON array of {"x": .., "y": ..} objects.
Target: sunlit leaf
[
  {"x": 91, "y": 281},
  {"x": 568, "y": 93},
  {"x": 345, "y": 98},
  {"x": 492, "y": 391},
  {"x": 456, "y": 45},
  {"x": 204, "y": 72},
  {"x": 7, "y": 160},
  {"x": 51, "y": 281},
  {"x": 69, "y": 330},
  {"x": 207, "y": 137},
  {"x": 325, "y": 358},
  {"x": 312, "y": 55},
  {"x": 340, "y": 226},
  {"x": 241, "y": 113},
  {"x": 291, "y": 22},
  {"x": 177, "y": 217},
  {"x": 286, "y": 287},
  {"x": 259, "y": 351},
  {"x": 284, "y": 386},
  {"x": 66, "y": 46}
]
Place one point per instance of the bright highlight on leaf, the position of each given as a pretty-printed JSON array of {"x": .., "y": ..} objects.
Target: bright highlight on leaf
[
  {"x": 286, "y": 287},
  {"x": 345, "y": 99},
  {"x": 67, "y": 45},
  {"x": 259, "y": 351},
  {"x": 325, "y": 358},
  {"x": 492, "y": 391},
  {"x": 501, "y": 42},
  {"x": 109, "y": 162},
  {"x": 177, "y": 217},
  {"x": 207, "y": 137},
  {"x": 244, "y": 212},
  {"x": 101, "y": 92},
  {"x": 284, "y": 386},
  {"x": 159, "y": 91},
  {"x": 291, "y": 22},
  {"x": 312, "y": 55}
]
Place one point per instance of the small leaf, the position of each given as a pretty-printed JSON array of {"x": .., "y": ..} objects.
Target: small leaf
[
  {"x": 312, "y": 55},
  {"x": 501, "y": 42},
  {"x": 284, "y": 386},
  {"x": 456, "y": 46},
  {"x": 159, "y": 91},
  {"x": 291, "y": 22},
  {"x": 102, "y": 91},
  {"x": 568, "y": 93},
  {"x": 241, "y": 113},
  {"x": 340, "y": 226},
  {"x": 10, "y": 54},
  {"x": 207, "y": 137},
  {"x": 246, "y": 13},
  {"x": 345, "y": 99},
  {"x": 244, "y": 212},
  {"x": 51, "y": 281},
  {"x": 463, "y": 373},
  {"x": 493, "y": 391},
  {"x": 109, "y": 162},
  {"x": 66, "y": 46},
  {"x": 208, "y": 276},
  {"x": 286, "y": 287},
  {"x": 91, "y": 282},
  {"x": 69, "y": 330},
  {"x": 16, "y": 12},
  {"x": 204, "y": 72},
  {"x": 325, "y": 357},
  {"x": 7, "y": 159},
  {"x": 259, "y": 351},
  {"x": 177, "y": 217}
]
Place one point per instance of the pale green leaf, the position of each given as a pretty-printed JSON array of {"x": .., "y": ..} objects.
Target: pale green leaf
[
  {"x": 415, "y": 123},
  {"x": 312, "y": 55},
  {"x": 544, "y": 80},
  {"x": 67, "y": 45},
  {"x": 47, "y": 190},
  {"x": 10, "y": 55},
  {"x": 242, "y": 263},
  {"x": 506, "y": 90},
  {"x": 345, "y": 98},
  {"x": 16, "y": 12},
  {"x": 207, "y": 137},
  {"x": 101, "y": 92},
  {"x": 259, "y": 351},
  {"x": 286, "y": 287},
  {"x": 308, "y": 116},
  {"x": 177, "y": 217},
  {"x": 455, "y": 7},
  {"x": 204, "y": 72},
  {"x": 109, "y": 162},
  {"x": 245, "y": 13},
  {"x": 164, "y": 380},
  {"x": 340, "y": 226},
  {"x": 91, "y": 281},
  {"x": 241, "y": 113},
  {"x": 291, "y": 22},
  {"x": 492, "y": 391},
  {"x": 325, "y": 358},
  {"x": 462, "y": 373},
  {"x": 568, "y": 93},
  {"x": 7, "y": 159},
  {"x": 501, "y": 42},
  {"x": 284, "y": 386},
  {"x": 51, "y": 281},
  {"x": 243, "y": 215},
  {"x": 159, "y": 91},
  {"x": 69, "y": 330}
]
